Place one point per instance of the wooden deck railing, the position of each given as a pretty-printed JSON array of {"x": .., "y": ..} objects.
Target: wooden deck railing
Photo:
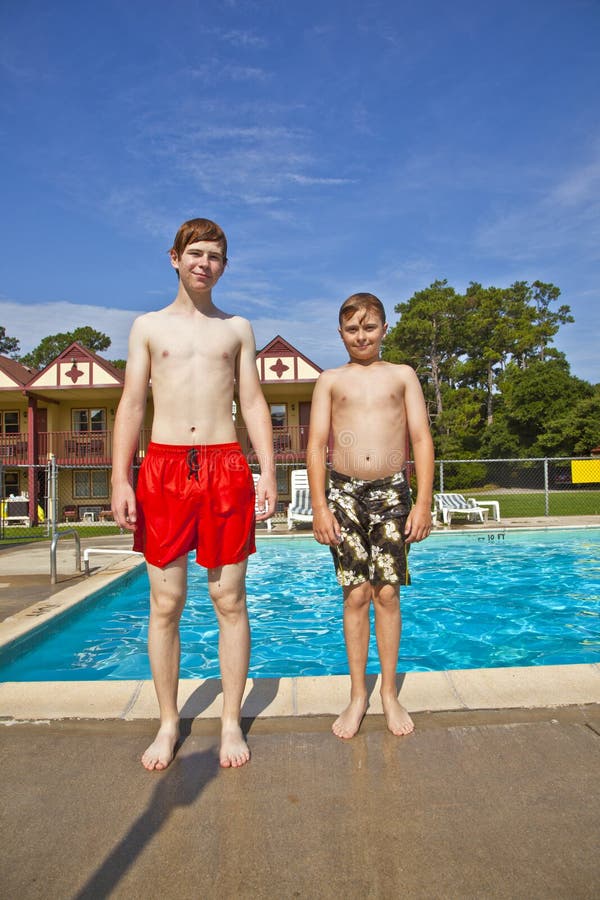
[{"x": 94, "y": 448}]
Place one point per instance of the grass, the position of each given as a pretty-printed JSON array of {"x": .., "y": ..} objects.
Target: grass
[
  {"x": 512, "y": 506},
  {"x": 561, "y": 503},
  {"x": 15, "y": 533}
]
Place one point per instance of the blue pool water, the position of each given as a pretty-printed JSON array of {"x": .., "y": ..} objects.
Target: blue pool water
[{"x": 478, "y": 600}]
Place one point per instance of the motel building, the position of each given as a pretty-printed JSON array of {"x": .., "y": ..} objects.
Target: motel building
[{"x": 66, "y": 411}]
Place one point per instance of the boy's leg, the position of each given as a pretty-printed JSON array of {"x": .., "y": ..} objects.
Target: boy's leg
[
  {"x": 167, "y": 598},
  {"x": 227, "y": 590},
  {"x": 388, "y": 625},
  {"x": 357, "y": 602}
]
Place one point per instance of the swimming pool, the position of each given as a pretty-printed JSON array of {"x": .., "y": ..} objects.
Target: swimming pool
[{"x": 478, "y": 600}]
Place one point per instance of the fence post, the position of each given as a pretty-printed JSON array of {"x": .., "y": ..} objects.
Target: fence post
[
  {"x": 546, "y": 491},
  {"x": 53, "y": 492},
  {"x": 441, "y": 476}
]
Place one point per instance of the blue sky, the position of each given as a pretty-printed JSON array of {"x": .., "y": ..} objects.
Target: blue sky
[{"x": 343, "y": 146}]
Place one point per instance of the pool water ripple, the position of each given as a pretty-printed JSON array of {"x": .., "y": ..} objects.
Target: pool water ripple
[{"x": 522, "y": 598}]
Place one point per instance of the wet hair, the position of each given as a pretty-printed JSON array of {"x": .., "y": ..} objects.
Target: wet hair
[
  {"x": 199, "y": 230},
  {"x": 364, "y": 303}
]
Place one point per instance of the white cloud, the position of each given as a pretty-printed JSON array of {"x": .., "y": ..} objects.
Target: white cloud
[
  {"x": 31, "y": 322},
  {"x": 215, "y": 71},
  {"x": 564, "y": 215},
  {"x": 240, "y": 38},
  {"x": 307, "y": 180},
  {"x": 580, "y": 186}
]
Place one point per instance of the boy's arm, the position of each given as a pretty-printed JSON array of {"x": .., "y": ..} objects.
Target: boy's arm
[
  {"x": 128, "y": 422},
  {"x": 257, "y": 418},
  {"x": 325, "y": 526},
  {"x": 418, "y": 524}
]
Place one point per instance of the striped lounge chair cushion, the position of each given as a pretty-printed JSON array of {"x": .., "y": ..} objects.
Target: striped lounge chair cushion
[
  {"x": 454, "y": 501},
  {"x": 302, "y": 503}
]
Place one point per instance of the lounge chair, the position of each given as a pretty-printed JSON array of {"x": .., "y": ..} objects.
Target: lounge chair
[
  {"x": 300, "y": 508},
  {"x": 268, "y": 522},
  {"x": 70, "y": 513},
  {"x": 450, "y": 506}
]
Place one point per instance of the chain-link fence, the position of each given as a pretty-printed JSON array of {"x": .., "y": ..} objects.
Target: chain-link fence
[
  {"x": 522, "y": 488},
  {"x": 38, "y": 500},
  {"x": 526, "y": 487},
  {"x": 35, "y": 500}
]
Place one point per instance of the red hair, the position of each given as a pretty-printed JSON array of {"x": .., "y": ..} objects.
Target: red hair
[{"x": 199, "y": 230}]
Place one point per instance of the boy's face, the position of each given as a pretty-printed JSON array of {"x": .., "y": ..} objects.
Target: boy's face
[
  {"x": 362, "y": 335},
  {"x": 200, "y": 265}
]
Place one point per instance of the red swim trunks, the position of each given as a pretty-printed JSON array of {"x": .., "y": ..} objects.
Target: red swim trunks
[{"x": 198, "y": 498}]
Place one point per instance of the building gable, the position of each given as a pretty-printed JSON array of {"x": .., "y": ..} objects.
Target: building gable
[
  {"x": 280, "y": 362},
  {"x": 13, "y": 374},
  {"x": 77, "y": 367}
]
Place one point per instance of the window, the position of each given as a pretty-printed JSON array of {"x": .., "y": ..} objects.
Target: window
[
  {"x": 283, "y": 488},
  {"x": 9, "y": 422},
  {"x": 10, "y": 484},
  {"x": 90, "y": 483},
  {"x": 278, "y": 415},
  {"x": 89, "y": 420}
]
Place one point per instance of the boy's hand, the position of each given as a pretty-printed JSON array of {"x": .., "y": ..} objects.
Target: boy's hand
[
  {"x": 418, "y": 525},
  {"x": 326, "y": 528},
  {"x": 124, "y": 507},
  {"x": 266, "y": 497}
]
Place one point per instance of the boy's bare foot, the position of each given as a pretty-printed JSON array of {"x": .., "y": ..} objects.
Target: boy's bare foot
[
  {"x": 234, "y": 750},
  {"x": 161, "y": 751},
  {"x": 347, "y": 724},
  {"x": 398, "y": 720}
]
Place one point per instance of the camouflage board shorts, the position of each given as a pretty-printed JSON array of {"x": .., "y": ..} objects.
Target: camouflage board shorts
[{"x": 372, "y": 517}]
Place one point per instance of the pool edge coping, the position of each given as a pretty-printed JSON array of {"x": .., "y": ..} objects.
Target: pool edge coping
[
  {"x": 526, "y": 687},
  {"x": 41, "y": 613}
]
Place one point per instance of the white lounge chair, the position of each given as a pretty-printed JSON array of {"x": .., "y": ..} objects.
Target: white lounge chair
[
  {"x": 450, "y": 506},
  {"x": 300, "y": 508},
  {"x": 268, "y": 522}
]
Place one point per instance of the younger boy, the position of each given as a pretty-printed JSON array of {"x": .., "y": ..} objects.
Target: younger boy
[
  {"x": 370, "y": 407},
  {"x": 195, "y": 489}
]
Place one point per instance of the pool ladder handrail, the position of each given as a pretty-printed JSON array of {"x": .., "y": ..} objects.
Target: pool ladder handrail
[
  {"x": 55, "y": 539},
  {"x": 88, "y": 550}
]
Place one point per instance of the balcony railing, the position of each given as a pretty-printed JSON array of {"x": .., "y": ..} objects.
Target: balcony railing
[
  {"x": 289, "y": 443},
  {"x": 13, "y": 449},
  {"x": 94, "y": 448},
  {"x": 76, "y": 448}
]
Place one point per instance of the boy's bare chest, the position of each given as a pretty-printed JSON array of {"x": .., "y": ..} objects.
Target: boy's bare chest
[
  {"x": 367, "y": 394},
  {"x": 214, "y": 344}
]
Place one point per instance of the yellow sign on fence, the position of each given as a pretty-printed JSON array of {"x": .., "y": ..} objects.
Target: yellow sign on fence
[{"x": 583, "y": 471}]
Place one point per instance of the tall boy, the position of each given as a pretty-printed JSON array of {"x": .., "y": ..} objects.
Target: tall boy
[
  {"x": 366, "y": 518},
  {"x": 195, "y": 490}
]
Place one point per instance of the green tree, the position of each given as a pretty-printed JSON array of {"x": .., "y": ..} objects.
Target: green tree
[
  {"x": 535, "y": 323},
  {"x": 490, "y": 340},
  {"x": 468, "y": 349},
  {"x": 546, "y": 322},
  {"x": 429, "y": 337},
  {"x": 458, "y": 432},
  {"x": 576, "y": 432},
  {"x": 49, "y": 348},
  {"x": 9, "y": 346},
  {"x": 506, "y": 324},
  {"x": 536, "y": 396}
]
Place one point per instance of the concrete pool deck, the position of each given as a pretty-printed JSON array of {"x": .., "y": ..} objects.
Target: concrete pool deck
[{"x": 495, "y": 795}]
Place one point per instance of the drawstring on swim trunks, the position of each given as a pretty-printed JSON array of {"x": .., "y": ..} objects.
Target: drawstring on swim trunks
[{"x": 193, "y": 463}]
